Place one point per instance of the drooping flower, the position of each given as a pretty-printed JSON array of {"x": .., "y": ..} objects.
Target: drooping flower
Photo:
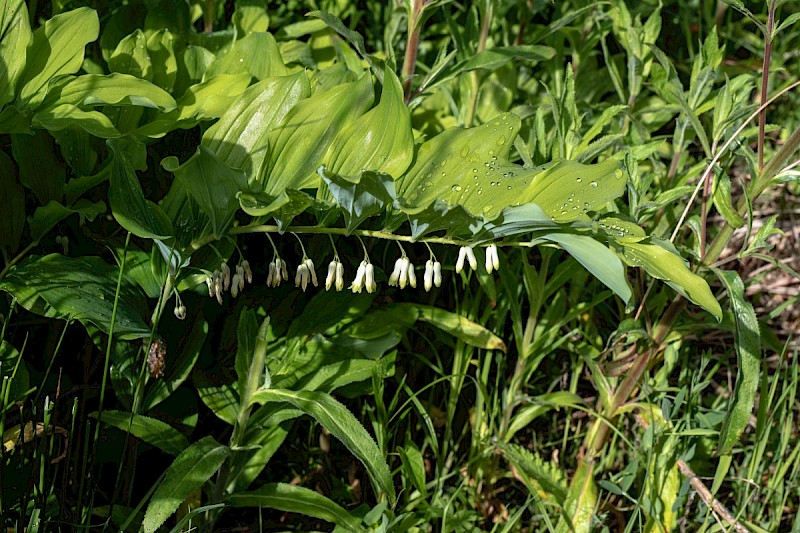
[
  {"x": 331, "y": 274},
  {"x": 466, "y": 253},
  {"x": 248, "y": 274},
  {"x": 427, "y": 278},
  {"x": 492, "y": 258},
  {"x": 311, "y": 270},
  {"x": 361, "y": 273},
  {"x": 437, "y": 273},
  {"x": 370, "y": 278},
  {"x": 339, "y": 276},
  {"x": 226, "y": 276},
  {"x": 302, "y": 276}
]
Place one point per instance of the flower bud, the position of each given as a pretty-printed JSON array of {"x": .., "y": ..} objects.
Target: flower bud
[
  {"x": 339, "y": 276},
  {"x": 427, "y": 279},
  {"x": 370, "y": 278},
  {"x": 331, "y": 275},
  {"x": 180, "y": 311},
  {"x": 437, "y": 273},
  {"x": 358, "y": 283}
]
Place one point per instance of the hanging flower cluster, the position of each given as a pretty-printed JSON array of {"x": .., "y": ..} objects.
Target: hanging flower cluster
[{"x": 403, "y": 275}]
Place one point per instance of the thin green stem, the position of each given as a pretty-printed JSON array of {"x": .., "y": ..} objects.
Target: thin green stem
[
  {"x": 762, "y": 118},
  {"x": 18, "y": 258},
  {"x": 475, "y": 79}
]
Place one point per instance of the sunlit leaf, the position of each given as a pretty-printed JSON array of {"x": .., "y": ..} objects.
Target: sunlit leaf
[
  {"x": 131, "y": 57},
  {"x": 256, "y": 53},
  {"x": 16, "y": 34},
  {"x": 194, "y": 466},
  {"x": 580, "y": 502},
  {"x": 151, "y": 430},
  {"x": 460, "y": 327}
]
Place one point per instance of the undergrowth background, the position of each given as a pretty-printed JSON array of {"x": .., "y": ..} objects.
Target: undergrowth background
[{"x": 591, "y": 382}]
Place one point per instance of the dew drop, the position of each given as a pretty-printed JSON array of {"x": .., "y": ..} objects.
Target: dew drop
[
  {"x": 578, "y": 180},
  {"x": 593, "y": 184},
  {"x": 457, "y": 188},
  {"x": 475, "y": 171},
  {"x": 501, "y": 141},
  {"x": 464, "y": 151},
  {"x": 487, "y": 208},
  {"x": 508, "y": 188}
]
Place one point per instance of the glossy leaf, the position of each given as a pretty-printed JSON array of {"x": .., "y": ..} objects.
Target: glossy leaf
[
  {"x": 604, "y": 264},
  {"x": 212, "y": 184},
  {"x": 130, "y": 208},
  {"x": 109, "y": 90},
  {"x": 15, "y": 30},
  {"x": 294, "y": 499},
  {"x": 246, "y": 333},
  {"x": 257, "y": 54},
  {"x": 79, "y": 288},
  {"x": 669, "y": 267},
  {"x": 454, "y": 220},
  {"x": 298, "y": 144},
  {"x": 64, "y": 116},
  {"x": 283, "y": 208},
  {"x": 131, "y": 57},
  {"x": 239, "y": 137},
  {"x": 151, "y": 430},
  {"x": 360, "y": 196},
  {"x": 462, "y": 328},
  {"x": 747, "y": 342},
  {"x": 380, "y": 140},
  {"x": 335, "y": 417},
  {"x": 194, "y": 466},
  {"x": 516, "y": 220},
  {"x": 162, "y": 54},
  {"x": 57, "y": 48}
]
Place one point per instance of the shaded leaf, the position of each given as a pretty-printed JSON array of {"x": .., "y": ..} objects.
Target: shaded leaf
[
  {"x": 46, "y": 217},
  {"x": 12, "y": 204},
  {"x": 151, "y": 430},
  {"x": 40, "y": 169},
  {"x": 460, "y": 327},
  {"x": 360, "y": 196},
  {"x": 294, "y": 499},
  {"x": 79, "y": 288},
  {"x": 287, "y": 205}
]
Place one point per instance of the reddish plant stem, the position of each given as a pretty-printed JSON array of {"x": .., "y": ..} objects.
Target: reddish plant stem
[
  {"x": 412, "y": 44},
  {"x": 762, "y": 119}
]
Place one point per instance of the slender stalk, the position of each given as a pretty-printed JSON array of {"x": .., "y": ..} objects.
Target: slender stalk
[
  {"x": 208, "y": 16},
  {"x": 18, "y": 258},
  {"x": 762, "y": 119},
  {"x": 475, "y": 78},
  {"x": 412, "y": 44}
]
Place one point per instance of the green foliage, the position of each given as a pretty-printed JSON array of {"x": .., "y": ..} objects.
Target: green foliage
[{"x": 553, "y": 152}]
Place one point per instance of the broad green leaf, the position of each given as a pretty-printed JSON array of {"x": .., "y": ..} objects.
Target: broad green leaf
[
  {"x": 539, "y": 405},
  {"x": 162, "y": 54},
  {"x": 542, "y": 477},
  {"x": 748, "y": 350},
  {"x": 246, "y": 334},
  {"x": 196, "y": 59},
  {"x": 669, "y": 267},
  {"x": 294, "y": 499},
  {"x": 568, "y": 190},
  {"x": 46, "y": 217},
  {"x": 239, "y": 137},
  {"x": 283, "y": 209},
  {"x": 580, "y": 502},
  {"x": 57, "y": 48},
  {"x": 335, "y": 417},
  {"x": 108, "y": 90},
  {"x": 269, "y": 441},
  {"x": 204, "y": 101},
  {"x": 66, "y": 116},
  {"x": 380, "y": 140},
  {"x": 212, "y": 184},
  {"x": 12, "y": 205},
  {"x": 15, "y": 32},
  {"x": 299, "y": 143},
  {"x": 256, "y": 54},
  {"x": 251, "y": 16},
  {"x": 414, "y": 465},
  {"x": 40, "y": 168},
  {"x": 353, "y": 37},
  {"x": 516, "y": 220},
  {"x": 604, "y": 264},
  {"x": 151, "y": 430},
  {"x": 360, "y": 197},
  {"x": 130, "y": 208},
  {"x": 467, "y": 167},
  {"x": 722, "y": 201},
  {"x": 194, "y": 466},
  {"x": 462, "y": 328},
  {"x": 131, "y": 57},
  {"x": 82, "y": 288}
]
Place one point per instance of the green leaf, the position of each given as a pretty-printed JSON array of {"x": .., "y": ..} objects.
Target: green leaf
[
  {"x": 256, "y": 54},
  {"x": 130, "y": 208},
  {"x": 66, "y": 116},
  {"x": 494, "y": 58},
  {"x": 414, "y": 465},
  {"x": 108, "y": 90},
  {"x": 46, "y": 217},
  {"x": 299, "y": 143},
  {"x": 722, "y": 201},
  {"x": 516, "y": 220},
  {"x": 250, "y": 16},
  {"x": 15, "y": 30},
  {"x": 246, "y": 334},
  {"x": 360, "y": 197},
  {"x": 441, "y": 216},
  {"x": 604, "y": 264},
  {"x": 460, "y": 327},
  {"x": 747, "y": 342},
  {"x": 151, "y": 430},
  {"x": 12, "y": 204},
  {"x": 284, "y": 208},
  {"x": 669, "y": 267},
  {"x": 568, "y": 190},
  {"x": 212, "y": 184},
  {"x": 380, "y": 140},
  {"x": 82, "y": 288},
  {"x": 40, "y": 169},
  {"x": 131, "y": 57},
  {"x": 539, "y": 405},
  {"x": 57, "y": 48},
  {"x": 221, "y": 399},
  {"x": 335, "y": 417},
  {"x": 294, "y": 499},
  {"x": 162, "y": 54},
  {"x": 193, "y": 467},
  {"x": 13, "y": 369},
  {"x": 580, "y": 502},
  {"x": 239, "y": 137}
]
